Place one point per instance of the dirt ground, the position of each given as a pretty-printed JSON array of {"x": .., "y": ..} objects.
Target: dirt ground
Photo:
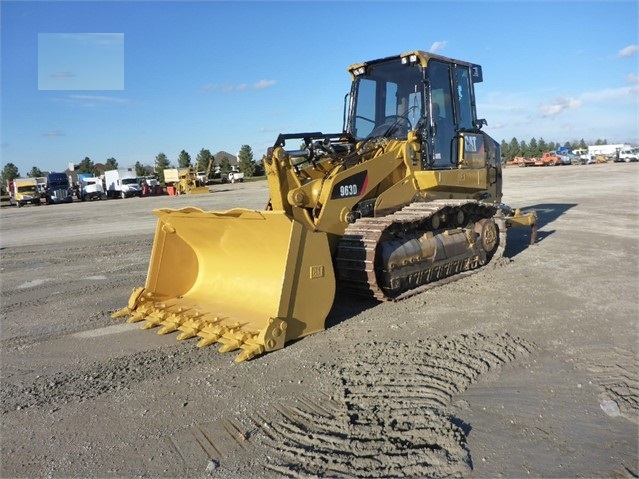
[{"x": 528, "y": 368}]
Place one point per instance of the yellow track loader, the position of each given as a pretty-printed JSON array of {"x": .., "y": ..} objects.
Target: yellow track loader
[{"x": 406, "y": 197}]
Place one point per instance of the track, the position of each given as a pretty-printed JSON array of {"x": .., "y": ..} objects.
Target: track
[{"x": 361, "y": 254}]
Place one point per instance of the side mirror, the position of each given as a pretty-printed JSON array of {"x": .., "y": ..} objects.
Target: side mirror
[{"x": 480, "y": 122}]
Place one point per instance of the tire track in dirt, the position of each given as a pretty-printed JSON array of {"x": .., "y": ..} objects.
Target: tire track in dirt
[
  {"x": 616, "y": 371},
  {"x": 388, "y": 417}
]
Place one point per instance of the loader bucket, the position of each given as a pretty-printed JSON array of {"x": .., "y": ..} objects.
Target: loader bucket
[{"x": 251, "y": 280}]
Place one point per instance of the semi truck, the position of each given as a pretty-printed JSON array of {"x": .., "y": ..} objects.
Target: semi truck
[
  {"x": 122, "y": 183},
  {"x": 58, "y": 189},
  {"x": 90, "y": 187},
  {"x": 23, "y": 191}
]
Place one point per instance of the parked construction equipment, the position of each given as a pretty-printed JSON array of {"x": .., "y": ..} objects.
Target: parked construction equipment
[
  {"x": 406, "y": 197},
  {"x": 184, "y": 180}
]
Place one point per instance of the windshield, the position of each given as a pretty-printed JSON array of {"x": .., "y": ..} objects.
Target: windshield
[
  {"x": 130, "y": 181},
  {"x": 388, "y": 100}
]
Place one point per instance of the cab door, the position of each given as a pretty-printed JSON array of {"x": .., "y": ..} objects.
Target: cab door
[{"x": 443, "y": 125}]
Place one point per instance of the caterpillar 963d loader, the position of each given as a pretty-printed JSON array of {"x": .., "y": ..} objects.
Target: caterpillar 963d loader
[{"x": 407, "y": 196}]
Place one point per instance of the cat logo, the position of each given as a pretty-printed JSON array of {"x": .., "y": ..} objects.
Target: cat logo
[{"x": 470, "y": 143}]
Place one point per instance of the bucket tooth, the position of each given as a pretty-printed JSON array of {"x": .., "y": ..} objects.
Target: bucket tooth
[
  {"x": 140, "y": 313},
  {"x": 153, "y": 321},
  {"x": 210, "y": 334},
  {"x": 120, "y": 313},
  {"x": 234, "y": 340},
  {"x": 229, "y": 345},
  {"x": 136, "y": 317},
  {"x": 134, "y": 299},
  {"x": 250, "y": 349},
  {"x": 178, "y": 322},
  {"x": 169, "y": 328},
  {"x": 172, "y": 323},
  {"x": 190, "y": 328},
  {"x": 149, "y": 325}
]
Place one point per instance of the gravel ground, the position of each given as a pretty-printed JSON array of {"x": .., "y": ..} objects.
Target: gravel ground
[{"x": 528, "y": 368}]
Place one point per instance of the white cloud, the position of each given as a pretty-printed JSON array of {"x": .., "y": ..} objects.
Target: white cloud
[
  {"x": 628, "y": 51},
  {"x": 260, "y": 85},
  {"x": 437, "y": 46},
  {"x": 91, "y": 101},
  {"x": 53, "y": 133},
  {"x": 632, "y": 78},
  {"x": 607, "y": 113},
  {"x": 263, "y": 84},
  {"x": 99, "y": 98},
  {"x": 558, "y": 106}
]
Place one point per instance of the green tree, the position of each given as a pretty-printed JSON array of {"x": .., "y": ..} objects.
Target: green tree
[
  {"x": 184, "y": 160},
  {"x": 543, "y": 146},
  {"x": 513, "y": 149},
  {"x": 86, "y": 166},
  {"x": 161, "y": 164},
  {"x": 259, "y": 168},
  {"x": 9, "y": 172},
  {"x": 505, "y": 150},
  {"x": 533, "y": 147},
  {"x": 140, "y": 170},
  {"x": 202, "y": 160},
  {"x": 35, "y": 172},
  {"x": 245, "y": 160},
  {"x": 111, "y": 164},
  {"x": 225, "y": 165}
]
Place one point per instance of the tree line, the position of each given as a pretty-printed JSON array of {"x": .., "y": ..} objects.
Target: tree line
[
  {"x": 248, "y": 166},
  {"x": 536, "y": 148},
  {"x": 203, "y": 161}
]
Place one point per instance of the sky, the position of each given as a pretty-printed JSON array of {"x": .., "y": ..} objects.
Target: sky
[{"x": 132, "y": 79}]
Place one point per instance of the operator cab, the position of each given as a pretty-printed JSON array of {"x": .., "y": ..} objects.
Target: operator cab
[{"x": 416, "y": 91}]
